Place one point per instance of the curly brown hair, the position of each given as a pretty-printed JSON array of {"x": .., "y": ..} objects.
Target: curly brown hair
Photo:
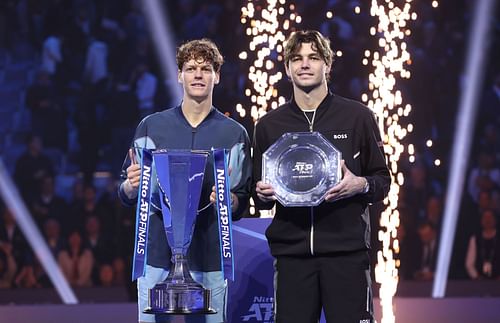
[
  {"x": 319, "y": 43},
  {"x": 201, "y": 50}
]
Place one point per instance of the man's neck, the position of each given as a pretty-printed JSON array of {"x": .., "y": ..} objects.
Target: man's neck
[
  {"x": 312, "y": 99},
  {"x": 194, "y": 111}
]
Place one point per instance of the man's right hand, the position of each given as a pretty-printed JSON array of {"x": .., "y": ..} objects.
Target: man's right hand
[
  {"x": 265, "y": 192},
  {"x": 131, "y": 184}
]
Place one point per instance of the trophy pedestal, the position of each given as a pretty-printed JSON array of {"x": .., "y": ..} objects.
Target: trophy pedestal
[
  {"x": 179, "y": 293},
  {"x": 165, "y": 299}
]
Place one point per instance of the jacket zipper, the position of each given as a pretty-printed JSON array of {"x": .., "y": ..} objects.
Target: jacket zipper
[
  {"x": 311, "y": 234},
  {"x": 193, "y": 133}
]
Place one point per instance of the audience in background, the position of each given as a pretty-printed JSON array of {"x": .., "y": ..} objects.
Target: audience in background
[
  {"x": 88, "y": 71},
  {"x": 46, "y": 204},
  {"x": 11, "y": 235},
  {"x": 8, "y": 265},
  {"x": 52, "y": 234},
  {"x": 76, "y": 261},
  {"x": 483, "y": 260},
  {"x": 426, "y": 252},
  {"x": 485, "y": 175},
  {"x": 31, "y": 167}
]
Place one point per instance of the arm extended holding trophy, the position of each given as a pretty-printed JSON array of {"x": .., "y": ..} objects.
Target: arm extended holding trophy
[
  {"x": 350, "y": 185},
  {"x": 239, "y": 171},
  {"x": 304, "y": 169},
  {"x": 131, "y": 185},
  {"x": 240, "y": 176}
]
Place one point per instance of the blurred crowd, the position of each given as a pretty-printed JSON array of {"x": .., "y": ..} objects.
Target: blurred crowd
[{"x": 77, "y": 76}]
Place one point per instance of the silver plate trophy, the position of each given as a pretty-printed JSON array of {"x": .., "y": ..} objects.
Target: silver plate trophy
[
  {"x": 180, "y": 177},
  {"x": 301, "y": 167}
]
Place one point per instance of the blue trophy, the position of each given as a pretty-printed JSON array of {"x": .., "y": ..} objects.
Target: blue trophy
[{"x": 180, "y": 177}]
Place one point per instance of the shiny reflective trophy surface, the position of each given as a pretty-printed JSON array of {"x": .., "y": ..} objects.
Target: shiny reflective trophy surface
[
  {"x": 180, "y": 177},
  {"x": 301, "y": 167}
]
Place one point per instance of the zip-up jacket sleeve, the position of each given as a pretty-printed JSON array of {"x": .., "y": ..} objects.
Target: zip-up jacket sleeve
[
  {"x": 140, "y": 132},
  {"x": 241, "y": 173},
  {"x": 373, "y": 163}
]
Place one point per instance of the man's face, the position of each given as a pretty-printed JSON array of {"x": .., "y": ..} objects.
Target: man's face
[
  {"x": 488, "y": 220},
  {"x": 427, "y": 234},
  {"x": 198, "y": 79},
  {"x": 306, "y": 68}
]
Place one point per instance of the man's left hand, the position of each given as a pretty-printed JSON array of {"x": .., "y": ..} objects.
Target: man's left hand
[
  {"x": 349, "y": 185},
  {"x": 234, "y": 199}
]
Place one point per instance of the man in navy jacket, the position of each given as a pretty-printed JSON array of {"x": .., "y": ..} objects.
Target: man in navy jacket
[{"x": 195, "y": 124}]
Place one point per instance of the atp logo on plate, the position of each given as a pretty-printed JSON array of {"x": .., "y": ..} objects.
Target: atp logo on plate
[{"x": 303, "y": 168}]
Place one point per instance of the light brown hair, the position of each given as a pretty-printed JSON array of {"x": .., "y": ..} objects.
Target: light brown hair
[
  {"x": 201, "y": 50},
  {"x": 318, "y": 43}
]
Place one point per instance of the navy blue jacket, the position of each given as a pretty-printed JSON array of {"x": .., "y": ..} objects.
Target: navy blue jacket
[{"x": 169, "y": 129}]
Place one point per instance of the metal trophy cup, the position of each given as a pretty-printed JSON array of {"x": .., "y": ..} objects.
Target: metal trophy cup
[
  {"x": 180, "y": 177},
  {"x": 301, "y": 167}
]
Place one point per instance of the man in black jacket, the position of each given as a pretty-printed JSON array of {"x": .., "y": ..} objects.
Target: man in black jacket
[{"x": 322, "y": 252}]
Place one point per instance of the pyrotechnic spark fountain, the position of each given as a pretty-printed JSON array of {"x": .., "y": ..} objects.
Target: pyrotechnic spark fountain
[
  {"x": 266, "y": 22},
  {"x": 389, "y": 63}
]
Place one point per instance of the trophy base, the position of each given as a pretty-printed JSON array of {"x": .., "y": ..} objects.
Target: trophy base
[
  {"x": 149, "y": 310},
  {"x": 179, "y": 300}
]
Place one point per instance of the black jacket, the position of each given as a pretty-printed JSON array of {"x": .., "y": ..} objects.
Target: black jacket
[{"x": 329, "y": 227}]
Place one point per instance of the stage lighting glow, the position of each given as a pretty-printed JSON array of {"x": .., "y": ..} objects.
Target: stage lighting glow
[
  {"x": 389, "y": 63},
  {"x": 482, "y": 24},
  {"x": 12, "y": 199},
  {"x": 159, "y": 25}
]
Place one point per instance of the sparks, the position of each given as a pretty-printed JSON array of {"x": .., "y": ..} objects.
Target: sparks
[
  {"x": 389, "y": 63},
  {"x": 265, "y": 28}
]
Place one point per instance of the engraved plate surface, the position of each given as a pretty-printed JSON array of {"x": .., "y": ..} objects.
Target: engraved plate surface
[{"x": 301, "y": 166}]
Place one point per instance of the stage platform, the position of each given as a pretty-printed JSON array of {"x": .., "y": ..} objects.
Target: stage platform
[
  {"x": 407, "y": 310},
  {"x": 251, "y": 295}
]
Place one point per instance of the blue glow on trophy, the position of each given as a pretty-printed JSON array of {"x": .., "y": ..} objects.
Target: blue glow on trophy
[{"x": 180, "y": 177}]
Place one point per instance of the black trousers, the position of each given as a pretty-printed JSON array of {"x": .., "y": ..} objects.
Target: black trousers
[{"x": 340, "y": 284}]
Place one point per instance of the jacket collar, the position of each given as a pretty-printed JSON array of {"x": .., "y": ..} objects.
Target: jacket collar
[
  {"x": 181, "y": 115},
  {"x": 322, "y": 106}
]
